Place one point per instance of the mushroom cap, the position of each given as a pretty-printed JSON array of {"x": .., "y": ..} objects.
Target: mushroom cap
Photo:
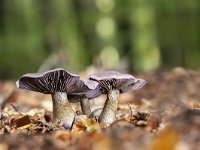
[
  {"x": 131, "y": 87},
  {"x": 56, "y": 80},
  {"x": 92, "y": 92},
  {"x": 109, "y": 80}
]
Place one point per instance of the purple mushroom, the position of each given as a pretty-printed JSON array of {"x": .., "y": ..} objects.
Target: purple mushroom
[
  {"x": 113, "y": 84},
  {"x": 83, "y": 98},
  {"x": 58, "y": 83}
]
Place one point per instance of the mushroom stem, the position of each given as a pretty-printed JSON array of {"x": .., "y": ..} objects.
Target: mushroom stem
[
  {"x": 85, "y": 106},
  {"x": 63, "y": 114},
  {"x": 108, "y": 114}
]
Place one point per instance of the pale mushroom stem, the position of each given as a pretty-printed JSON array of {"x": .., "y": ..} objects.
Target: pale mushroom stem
[
  {"x": 85, "y": 106},
  {"x": 108, "y": 114},
  {"x": 63, "y": 114}
]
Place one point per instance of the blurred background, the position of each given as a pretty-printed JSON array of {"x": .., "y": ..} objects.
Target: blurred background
[{"x": 133, "y": 35}]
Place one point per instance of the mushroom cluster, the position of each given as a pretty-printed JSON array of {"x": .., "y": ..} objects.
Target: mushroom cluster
[{"x": 66, "y": 88}]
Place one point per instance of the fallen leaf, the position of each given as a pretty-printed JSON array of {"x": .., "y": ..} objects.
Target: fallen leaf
[
  {"x": 24, "y": 122},
  {"x": 152, "y": 123},
  {"x": 63, "y": 135},
  {"x": 166, "y": 140},
  {"x": 104, "y": 144}
]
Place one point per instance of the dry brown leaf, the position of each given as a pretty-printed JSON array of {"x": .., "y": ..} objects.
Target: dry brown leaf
[
  {"x": 104, "y": 144},
  {"x": 152, "y": 123},
  {"x": 166, "y": 140},
  {"x": 23, "y": 121},
  {"x": 83, "y": 123},
  {"x": 63, "y": 135}
]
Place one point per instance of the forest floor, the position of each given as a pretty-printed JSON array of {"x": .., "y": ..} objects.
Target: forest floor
[{"x": 163, "y": 115}]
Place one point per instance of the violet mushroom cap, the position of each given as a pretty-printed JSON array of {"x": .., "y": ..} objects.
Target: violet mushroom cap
[
  {"x": 56, "y": 80},
  {"x": 83, "y": 98},
  {"x": 58, "y": 83},
  {"x": 113, "y": 83}
]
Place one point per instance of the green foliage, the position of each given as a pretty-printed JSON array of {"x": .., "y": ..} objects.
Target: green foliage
[{"x": 147, "y": 33}]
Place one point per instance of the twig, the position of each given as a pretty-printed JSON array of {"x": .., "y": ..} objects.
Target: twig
[
  {"x": 15, "y": 108},
  {"x": 130, "y": 110}
]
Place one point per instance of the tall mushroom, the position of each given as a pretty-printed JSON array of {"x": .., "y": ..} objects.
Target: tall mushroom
[
  {"x": 58, "y": 83},
  {"x": 113, "y": 84},
  {"x": 83, "y": 98}
]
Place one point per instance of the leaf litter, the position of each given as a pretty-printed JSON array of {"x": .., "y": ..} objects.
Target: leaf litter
[{"x": 165, "y": 114}]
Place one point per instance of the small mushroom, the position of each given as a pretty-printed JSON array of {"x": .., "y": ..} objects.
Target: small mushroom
[
  {"x": 113, "y": 84},
  {"x": 94, "y": 91},
  {"x": 58, "y": 83}
]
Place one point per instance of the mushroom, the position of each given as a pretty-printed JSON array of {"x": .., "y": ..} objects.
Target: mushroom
[
  {"x": 113, "y": 84},
  {"x": 83, "y": 98},
  {"x": 58, "y": 83}
]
